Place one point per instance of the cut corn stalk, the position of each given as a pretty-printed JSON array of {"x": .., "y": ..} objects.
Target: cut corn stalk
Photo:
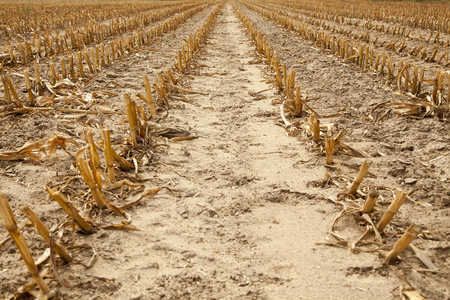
[
  {"x": 45, "y": 233},
  {"x": 6, "y": 88},
  {"x": 13, "y": 91},
  {"x": 329, "y": 149},
  {"x": 38, "y": 79},
  {"x": 72, "y": 69},
  {"x": 80, "y": 64},
  {"x": 132, "y": 118},
  {"x": 298, "y": 102},
  {"x": 144, "y": 124},
  {"x": 180, "y": 63},
  {"x": 400, "y": 197},
  {"x": 70, "y": 209},
  {"x": 89, "y": 178},
  {"x": 316, "y": 128},
  {"x": 63, "y": 68},
  {"x": 88, "y": 61},
  {"x": 150, "y": 101},
  {"x": 10, "y": 223},
  {"x": 420, "y": 84},
  {"x": 448, "y": 91},
  {"x": 170, "y": 77},
  {"x": 370, "y": 202},
  {"x": 109, "y": 158},
  {"x": 28, "y": 86},
  {"x": 278, "y": 79},
  {"x": 359, "y": 178},
  {"x": 93, "y": 153},
  {"x": 435, "y": 90},
  {"x": 94, "y": 64},
  {"x": 53, "y": 74},
  {"x": 290, "y": 84},
  {"x": 410, "y": 234},
  {"x": 415, "y": 79}
]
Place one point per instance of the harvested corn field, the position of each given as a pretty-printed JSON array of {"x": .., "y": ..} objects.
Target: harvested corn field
[{"x": 224, "y": 150}]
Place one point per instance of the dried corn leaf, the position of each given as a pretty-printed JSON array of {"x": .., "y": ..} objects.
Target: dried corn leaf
[
  {"x": 43, "y": 258},
  {"x": 61, "y": 109},
  {"x": 31, "y": 149},
  {"x": 340, "y": 244},
  {"x": 123, "y": 163},
  {"x": 350, "y": 151},
  {"x": 105, "y": 109},
  {"x": 58, "y": 277},
  {"x": 93, "y": 258},
  {"x": 374, "y": 228},
  {"x": 423, "y": 257},
  {"x": 125, "y": 226},
  {"x": 20, "y": 227},
  {"x": 105, "y": 93},
  {"x": 183, "y": 138},
  {"x": 168, "y": 132},
  {"x": 2, "y": 242},
  {"x": 413, "y": 295},
  {"x": 45, "y": 233},
  {"x": 90, "y": 178},
  {"x": 27, "y": 290},
  {"x": 60, "y": 141},
  {"x": 17, "y": 156},
  {"x": 28, "y": 150},
  {"x": 417, "y": 109},
  {"x": 64, "y": 84},
  {"x": 146, "y": 194},
  {"x": 123, "y": 182}
]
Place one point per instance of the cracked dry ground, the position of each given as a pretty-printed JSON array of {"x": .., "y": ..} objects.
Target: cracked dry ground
[{"x": 247, "y": 222}]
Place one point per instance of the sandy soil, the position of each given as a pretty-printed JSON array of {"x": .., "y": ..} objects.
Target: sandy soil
[{"x": 245, "y": 213}]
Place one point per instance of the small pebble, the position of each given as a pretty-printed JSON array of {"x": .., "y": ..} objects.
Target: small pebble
[{"x": 410, "y": 181}]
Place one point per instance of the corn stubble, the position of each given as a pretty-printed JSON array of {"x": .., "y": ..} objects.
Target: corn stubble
[
  {"x": 364, "y": 55},
  {"x": 359, "y": 178},
  {"x": 45, "y": 233},
  {"x": 408, "y": 77},
  {"x": 10, "y": 223},
  {"x": 70, "y": 209},
  {"x": 69, "y": 72},
  {"x": 400, "y": 197},
  {"x": 410, "y": 234}
]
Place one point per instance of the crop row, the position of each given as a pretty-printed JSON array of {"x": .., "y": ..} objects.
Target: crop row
[
  {"x": 45, "y": 44},
  {"x": 405, "y": 45},
  {"x": 319, "y": 18},
  {"x": 408, "y": 77},
  {"x": 433, "y": 16},
  {"x": 356, "y": 198},
  {"x": 31, "y": 17},
  {"x": 98, "y": 163},
  {"x": 88, "y": 60}
]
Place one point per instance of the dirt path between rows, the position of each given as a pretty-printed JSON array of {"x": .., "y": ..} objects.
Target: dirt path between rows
[{"x": 246, "y": 224}]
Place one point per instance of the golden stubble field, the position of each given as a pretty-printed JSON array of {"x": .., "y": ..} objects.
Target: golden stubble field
[{"x": 224, "y": 150}]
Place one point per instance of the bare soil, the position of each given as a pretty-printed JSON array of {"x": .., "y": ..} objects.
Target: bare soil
[{"x": 245, "y": 213}]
